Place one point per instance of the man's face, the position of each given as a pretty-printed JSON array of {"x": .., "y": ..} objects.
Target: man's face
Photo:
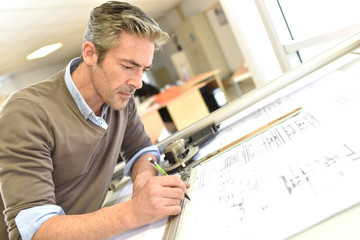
[{"x": 120, "y": 73}]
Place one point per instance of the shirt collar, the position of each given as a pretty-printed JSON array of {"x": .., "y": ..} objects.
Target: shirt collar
[{"x": 80, "y": 102}]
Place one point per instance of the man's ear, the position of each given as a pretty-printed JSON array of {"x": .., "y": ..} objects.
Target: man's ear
[{"x": 89, "y": 53}]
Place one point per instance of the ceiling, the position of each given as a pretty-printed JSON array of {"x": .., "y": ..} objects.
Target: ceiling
[{"x": 27, "y": 25}]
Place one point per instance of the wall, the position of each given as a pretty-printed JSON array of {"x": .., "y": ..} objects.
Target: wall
[
  {"x": 227, "y": 42},
  {"x": 6, "y": 86},
  {"x": 224, "y": 35},
  {"x": 25, "y": 79},
  {"x": 162, "y": 59}
]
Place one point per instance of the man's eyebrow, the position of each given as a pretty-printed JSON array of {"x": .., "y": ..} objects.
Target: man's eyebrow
[{"x": 136, "y": 64}]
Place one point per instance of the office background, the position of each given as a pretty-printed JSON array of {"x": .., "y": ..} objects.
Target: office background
[
  {"x": 268, "y": 37},
  {"x": 271, "y": 37}
]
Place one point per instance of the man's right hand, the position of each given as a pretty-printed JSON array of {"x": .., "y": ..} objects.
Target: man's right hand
[{"x": 159, "y": 197}]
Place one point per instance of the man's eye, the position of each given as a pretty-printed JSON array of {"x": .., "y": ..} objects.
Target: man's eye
[{"x": 127, "y": 67}]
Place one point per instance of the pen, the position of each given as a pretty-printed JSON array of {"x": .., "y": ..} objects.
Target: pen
[{"x": 157, "y": 166}]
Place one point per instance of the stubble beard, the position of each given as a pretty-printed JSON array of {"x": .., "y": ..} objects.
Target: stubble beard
[{"x": 119, "y": 102}]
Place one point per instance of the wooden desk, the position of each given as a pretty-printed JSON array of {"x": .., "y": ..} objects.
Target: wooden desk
[
  {"x": 188, "y": 107},
  {"x": 185, "y": 108},
  {"x": 206, "y": 77},
  {"x": 153, "y": 123}
]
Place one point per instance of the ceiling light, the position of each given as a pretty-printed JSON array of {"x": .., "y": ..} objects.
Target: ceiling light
[{"x": 46, "y": 50}]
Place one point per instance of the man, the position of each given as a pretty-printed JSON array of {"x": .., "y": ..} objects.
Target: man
[{"x": 60, "y": 139}]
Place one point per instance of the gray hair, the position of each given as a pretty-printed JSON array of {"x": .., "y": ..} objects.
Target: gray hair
[{"x": 109, "y": 20}]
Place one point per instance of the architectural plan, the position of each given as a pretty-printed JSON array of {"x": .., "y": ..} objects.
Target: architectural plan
[{"x": 286, "y": 179}]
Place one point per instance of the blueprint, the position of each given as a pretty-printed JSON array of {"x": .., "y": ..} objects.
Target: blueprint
[{"x": 286, "y": 179}]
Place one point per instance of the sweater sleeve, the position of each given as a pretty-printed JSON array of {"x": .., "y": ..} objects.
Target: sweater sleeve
[
  {"x": 25, "y": 160},
  {"x": 135, "y": 137}
]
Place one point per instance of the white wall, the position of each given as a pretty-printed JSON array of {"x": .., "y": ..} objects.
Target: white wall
[
  {"x": 6, "y": 86},
  {"x": 168, "y": 22},
  {"x": 226, "y": 40},
  {"x": 224, "y": 35},
  {"x": 162, "y": 59},
  {"x": 25, "y": 79}
]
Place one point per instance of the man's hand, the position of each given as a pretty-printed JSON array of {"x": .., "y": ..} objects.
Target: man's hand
[
  {"x": 160, "y": 196},
  {"x": 141, "y": 172},
  {"x": 155, "y": 197}
]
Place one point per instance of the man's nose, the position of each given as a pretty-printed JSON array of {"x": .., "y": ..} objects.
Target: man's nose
[{"x": 136, "y": 79}]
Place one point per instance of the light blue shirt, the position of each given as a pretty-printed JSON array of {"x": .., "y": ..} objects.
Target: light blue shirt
[
  {"x": 28, "y": 221},
  {"x": 83, "y": 107}
]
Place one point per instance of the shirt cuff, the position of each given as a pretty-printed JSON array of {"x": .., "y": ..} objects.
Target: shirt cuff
[
  {"x": 151, "y": 149},
  {"x": 28, "y": 221}
]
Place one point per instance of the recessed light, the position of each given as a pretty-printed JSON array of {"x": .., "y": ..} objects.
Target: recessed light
[{"x": 46, "y": 50}]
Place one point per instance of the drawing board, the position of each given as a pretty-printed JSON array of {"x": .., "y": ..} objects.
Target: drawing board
[{"x": 286, "y": 179}]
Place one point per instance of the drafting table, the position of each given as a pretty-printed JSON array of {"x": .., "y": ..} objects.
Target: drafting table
[
  {"x": 296, "y": 179},
  {"x": 285, "y": 179}
]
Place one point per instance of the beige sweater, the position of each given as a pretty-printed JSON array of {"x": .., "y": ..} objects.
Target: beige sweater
[{"x": 50, "y": 154}]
